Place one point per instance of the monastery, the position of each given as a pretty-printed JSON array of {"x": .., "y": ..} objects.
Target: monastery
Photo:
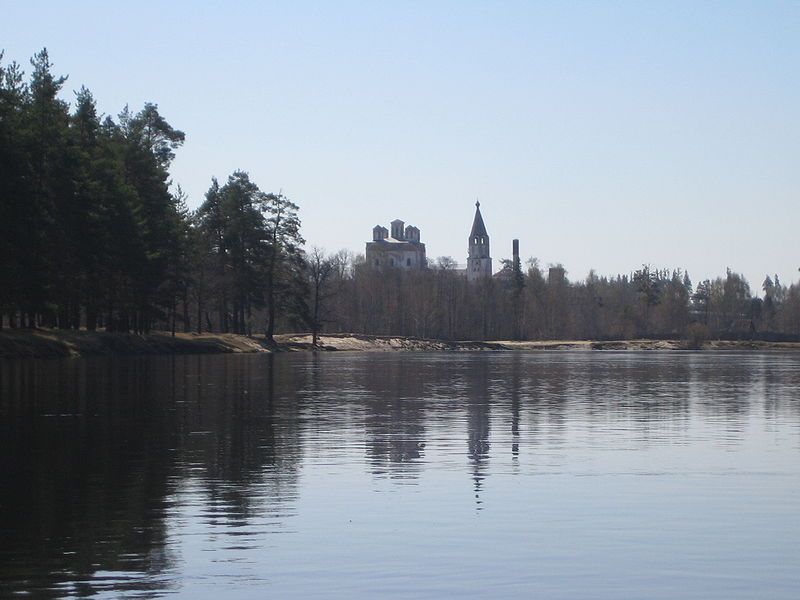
[{"x": 403, "y": 249}]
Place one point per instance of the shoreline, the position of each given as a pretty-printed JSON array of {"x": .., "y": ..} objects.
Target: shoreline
[{"x": 18, "y": 343}]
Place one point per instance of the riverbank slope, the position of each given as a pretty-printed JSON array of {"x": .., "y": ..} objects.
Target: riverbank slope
[
  {"x": 52, "y": 344},
  {"x": 43, "y": 343}
]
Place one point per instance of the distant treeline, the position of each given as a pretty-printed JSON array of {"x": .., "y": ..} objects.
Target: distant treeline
[
  {"x": 529, "y": 303},
  {"x": 94, "y": 235}
]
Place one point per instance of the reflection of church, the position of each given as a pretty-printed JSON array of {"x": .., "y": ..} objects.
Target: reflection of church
[
  {"x": 478, "y": 426},
  {"x": 478, "y": 444},
  {"x": 394, "y": 421}
]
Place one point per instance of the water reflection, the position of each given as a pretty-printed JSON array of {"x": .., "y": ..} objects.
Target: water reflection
[
  {"x": 478, "y": 401},
  {"x": 118, "y": 473},
  {"x": 85, "y": 458}
]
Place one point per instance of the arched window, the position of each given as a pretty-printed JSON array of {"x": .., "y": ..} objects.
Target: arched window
[
  {"x": 408, "y": 262},
  {"x": 391, "y": 262},
  {"x": 377, "y": 262}
]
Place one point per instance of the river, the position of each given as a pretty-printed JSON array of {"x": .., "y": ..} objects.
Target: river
[{"x": 560, "y": 475}]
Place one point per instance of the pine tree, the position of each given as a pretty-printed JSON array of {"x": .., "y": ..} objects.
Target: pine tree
[
  {"x": 284, "y": 262},
  {"x": 45, "y": 254},
  {"x": 14, "y": 190}
]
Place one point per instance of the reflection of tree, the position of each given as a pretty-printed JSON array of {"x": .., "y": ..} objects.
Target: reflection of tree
[
  {"x": 644, "y": 392},
  {"x": 394, "y": 415},
  {"x": 243, "y": 432},
  {"x": 108, "y": 445},
  {"x": 781, "y": 380},
  {"x": 95, "y": 455},
  {"x": 93, "y": 475},
  {"x": 723, "y": 391}
]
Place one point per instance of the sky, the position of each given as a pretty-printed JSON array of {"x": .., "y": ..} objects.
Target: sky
[{"x": 603, "y": 135}]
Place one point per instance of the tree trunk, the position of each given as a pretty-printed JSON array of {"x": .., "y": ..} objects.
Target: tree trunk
[
  {"x": 187, "y": 326},
  {"x": 91, "y": 318},
  {"x": 223, "y": 312},
  {"x": 315, "y": 325},
  {"x": 270, "y": 332}
]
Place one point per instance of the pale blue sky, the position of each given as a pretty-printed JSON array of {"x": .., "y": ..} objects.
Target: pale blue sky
[{"x": 603, "y": 135}]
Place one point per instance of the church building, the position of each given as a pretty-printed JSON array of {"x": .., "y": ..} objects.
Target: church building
[
  {"x": 401, "y": 250},
  {"x": 479, "y": 262}
]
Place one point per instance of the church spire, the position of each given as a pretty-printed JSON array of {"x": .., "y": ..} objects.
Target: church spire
[
  {"x": 479, "y": 261},
  {"x": 478, "y": 228}
]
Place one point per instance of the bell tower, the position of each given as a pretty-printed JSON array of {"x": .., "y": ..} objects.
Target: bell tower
[{"x": 479, "y": 262}]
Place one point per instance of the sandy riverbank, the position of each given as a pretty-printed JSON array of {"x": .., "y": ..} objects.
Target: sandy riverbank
[
  {"x": 365, "y": 343},
  {"x": 52, "y": 344}
]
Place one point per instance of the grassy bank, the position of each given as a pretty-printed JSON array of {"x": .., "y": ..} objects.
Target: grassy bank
[{"x": 52, "y": 344}]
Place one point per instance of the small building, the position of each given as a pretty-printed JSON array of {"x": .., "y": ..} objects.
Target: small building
[{"x": 402, "y": 249}]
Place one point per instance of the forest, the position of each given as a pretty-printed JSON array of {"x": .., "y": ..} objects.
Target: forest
[{"x": 94, "y": 234}]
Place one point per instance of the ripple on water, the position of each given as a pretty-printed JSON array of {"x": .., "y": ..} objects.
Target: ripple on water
[{"x": 558, "y": 475}]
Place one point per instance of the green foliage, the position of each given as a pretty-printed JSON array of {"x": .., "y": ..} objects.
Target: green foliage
[
  {"x": 285, "y": 284},
  {"x": 93, "y": 234}
]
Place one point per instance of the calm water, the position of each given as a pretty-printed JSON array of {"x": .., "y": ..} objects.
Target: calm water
[{"x": 492, "y": 475}]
